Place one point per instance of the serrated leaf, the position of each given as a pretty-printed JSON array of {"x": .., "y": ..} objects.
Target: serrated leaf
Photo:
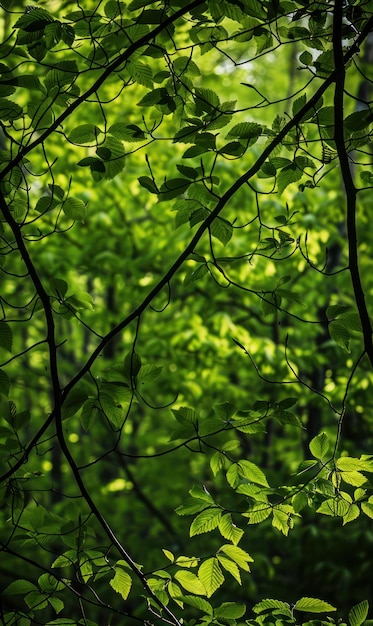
[
  {"x": 299, "y": 103},
  {"x": 358, "y": 613},
  {"x": 222, "y": 230},
  {"x": 4, "y": 383},
  {"x": 299, "y": 501},
  {"x": 352, "y": 514},
  {"x": 340, "y": 334},
  {"x": 6, "y": 336},
  {"x": 122, "y": 582},
  {"x": 286, "y": 176},
  {"x": 111, "y": 409},
  {"x": 141, "y": 73},
  {"x": 9, "y": 110},
  {"x": 34, "y": 20},
  {"x": 199, "y": 603},
  {"x": 229, "y": 530},
  {"x": 230, "y": 566},
  {"x": 247, "y": 470},
  {"x": 230, "y": 610},
  {"x": 367, "y": 508},
  {"x": 238, "y": 555},
  {"x": 75, "y": 209},
  {"x": 319, "y": 446},
  {"x": 190, "y": 582},
  {"x": 268, "y": 604},
  {"x": 74, "y": 401},
  {"x": 83, "y": 134},
  {"x": 246, "y": 130},
  {"x": 20, "y": 586},
  {"x": 89, "y": 413},
  {"x": 127, "y": 132},
  {"x": 204, "y": 522},
  {"x": 211, "y": 576},
  {"x": 313, "y": 605}
]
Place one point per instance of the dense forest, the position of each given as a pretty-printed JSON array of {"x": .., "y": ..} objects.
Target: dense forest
[{"x": 186, "y": 287}]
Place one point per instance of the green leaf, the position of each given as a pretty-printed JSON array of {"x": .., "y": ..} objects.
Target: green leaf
[
  {"x": 148, "y": 183},
  {"x": 229, "y": 530},
  {"x": 9, "y": 110},
  {"x": 367, "y": 508},
  {"x": 319, "y": 446},
  {"x": 190, "y": 582},
  {"x": 210, "y": 575},
  {"x": 352, "y": 514},
  {"x": 74, "y": 401},
  {"x": 313, "y": 605},
  {"x": 90, "y": 410},
  {"x": 358, "y": 613},
  {"x": 246, "y": 130},
  {"x": 156, "y": 96},
  {"x": 269, "y": 605},
  {"x": 130, "y": 133},
  {"x": 122, "y": 582},
  {"x": 199, "y": 603},
  {"x": 289, "y": 174},
  {"x": 80, "y": 300},
  {"x": 230, "y": 610},
  {"x": 20, "y": 586},
  {"x": 6, "y": 336},
  {"x": 114, "y": 158},
  {"x": 306, "y": 58},
  {"x": 85, "y": 133},
  {"x": 34, "y": 20},
  {"x": 172, "y": 188},
  {"x": 340, "y": 335},
  {"x": 192, "y": 277},
  {"x": 75, "y": 209},
  {"x": 230, "y": 567},
  {"x": 238, "y": 556},
  {"x": 112, "y": 411},
  {"x": 58, "y": 287},
  {"x": 141, "y": 73},
  {"x": 222, "y": 230},
  {"x": 247, "y": 470},
  {"x": 205, "y": 521},
  {"x": 4, "y": 383}
]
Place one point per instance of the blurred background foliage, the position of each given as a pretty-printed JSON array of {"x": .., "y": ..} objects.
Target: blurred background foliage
[{"x": 127, "y": 241}]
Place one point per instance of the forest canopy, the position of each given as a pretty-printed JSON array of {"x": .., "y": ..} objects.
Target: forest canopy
[{"x": 186, "y": 289}]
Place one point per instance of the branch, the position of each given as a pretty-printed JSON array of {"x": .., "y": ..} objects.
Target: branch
[
  {"x": 350, "y": 189},
  {"x": 136, "y": 45},
  {"x": 190, "y": 248}
]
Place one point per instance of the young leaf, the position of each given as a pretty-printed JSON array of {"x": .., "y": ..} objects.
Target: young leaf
[
  {"x": 358, "y": 613},
  {"x": 75, "y": 209},
  {"x": 205, "y": 521},
  {"x": 83, "y": 134},
  {"x": 121, "y": 583},
  {"x": 319, "y": 446},
  {"x": 210, "y": 575},
  {"x": 230, "y": 610},
  {"x": 238, "y": 555},
  {"x": 313, "y": 605},
  {"x": 190, "y": 582}
]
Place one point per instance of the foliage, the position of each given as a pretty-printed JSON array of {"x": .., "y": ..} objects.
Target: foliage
[{"x": 185, "y": 296}]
